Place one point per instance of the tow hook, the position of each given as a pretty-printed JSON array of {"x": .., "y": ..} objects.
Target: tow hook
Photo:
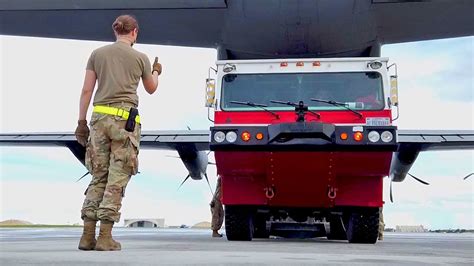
[
  {"x": 332, "y": 192},
  {"x": 269, "y": 192}
]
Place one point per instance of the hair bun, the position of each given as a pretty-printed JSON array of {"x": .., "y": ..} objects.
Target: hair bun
[{"x": 124, "y": 24}]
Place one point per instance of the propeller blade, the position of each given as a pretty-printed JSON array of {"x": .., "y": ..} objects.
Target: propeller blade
[
  {"x": 209, "y": 152},
  {"x": 207, "y": 179},
  {"x": 466, "y": 177},
  {"x": 82, "y": 177},
  {"x": 419, "y": 180},
  {"x": 391, "y": 195},
  {"x": 188, "y": 127},
  {"x": 187, "y": 177}
]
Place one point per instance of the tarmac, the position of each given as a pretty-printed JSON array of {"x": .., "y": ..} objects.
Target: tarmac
[{"x": 58, "y": 246}]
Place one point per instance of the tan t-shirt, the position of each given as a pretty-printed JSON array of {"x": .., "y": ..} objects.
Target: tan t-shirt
[{"x": 119, "y": 68}]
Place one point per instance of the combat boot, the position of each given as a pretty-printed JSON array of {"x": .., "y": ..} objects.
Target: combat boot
[
  {"x": 380, "y": 236},
  {"x": 215, "y": 233},
  {"x": 105, "y": 241},
  {"x": 88, "y": 241}
]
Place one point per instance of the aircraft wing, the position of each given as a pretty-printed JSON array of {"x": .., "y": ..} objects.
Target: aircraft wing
[
  {"x": 415, "y": 20},
  {"x": 248, "y": 28},
  {"x": 412, "y": 142},
  {"x": 189, "y": 140},
  {"x": 167, "y": 22}
]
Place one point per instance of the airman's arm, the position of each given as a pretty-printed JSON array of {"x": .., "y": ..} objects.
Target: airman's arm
[
  {"x": 86, "y": 94},
  {"x": 150, "y": 82}
]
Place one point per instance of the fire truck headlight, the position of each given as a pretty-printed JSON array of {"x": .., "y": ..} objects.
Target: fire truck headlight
[
  {"x": 375, "y": 64},
  {"x": 231, "y": 136},
  {"x": 219, "y": 136},
  {"x": 374, "y": 136},
  {"x": 387, "y": 136}
]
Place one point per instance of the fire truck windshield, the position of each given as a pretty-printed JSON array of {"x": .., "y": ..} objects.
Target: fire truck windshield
[{"x": 358, "y": 90}]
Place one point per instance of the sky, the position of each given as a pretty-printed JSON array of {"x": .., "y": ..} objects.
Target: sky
[{"x": 41, "y": 80}]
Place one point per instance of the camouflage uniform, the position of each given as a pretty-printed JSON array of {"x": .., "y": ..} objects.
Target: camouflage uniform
[
  {"x": 111, "y": 158},
  {"x": 217, "y": 210}
]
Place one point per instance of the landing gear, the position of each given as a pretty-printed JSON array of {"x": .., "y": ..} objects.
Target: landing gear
[
  {"x": 337, "y": 230},
  {"x": 239, "y": 223},
  {"x": 363, "y": 225}
]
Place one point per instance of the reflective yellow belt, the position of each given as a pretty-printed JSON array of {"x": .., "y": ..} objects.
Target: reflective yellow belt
[{"x": 114, "y": 111}]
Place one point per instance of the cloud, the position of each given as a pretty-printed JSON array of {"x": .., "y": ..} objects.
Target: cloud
[
  {"x": 37, "y": 184},
  {"x": 443, "y": 67}
]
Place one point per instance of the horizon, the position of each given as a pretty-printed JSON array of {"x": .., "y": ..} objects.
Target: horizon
[{"x": 436, "y": 87}]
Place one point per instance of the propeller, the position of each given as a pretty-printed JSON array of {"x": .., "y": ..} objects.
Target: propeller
[
  {"x": 207, "y": 179},
  {"x": 82, "y": 177},
  {"x": 419, "y": 180},
  {"x": 186, "y": 178},
  {"x": 466, "y": 177},
  {"x": 412, "y": 176}
]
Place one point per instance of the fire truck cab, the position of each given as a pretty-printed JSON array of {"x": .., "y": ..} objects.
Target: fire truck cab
[{"x": 302, "y": 145}]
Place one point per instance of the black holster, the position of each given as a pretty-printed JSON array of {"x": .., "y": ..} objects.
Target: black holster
[{"x": 130, "y": 125}]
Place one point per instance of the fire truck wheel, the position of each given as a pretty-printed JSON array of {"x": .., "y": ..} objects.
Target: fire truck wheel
[
  {"x": 238, "y": 223},
  {"x": 337, "y": 231},
  {"x": 363, "y": 226},
  {"x": 260, "y": 224}
]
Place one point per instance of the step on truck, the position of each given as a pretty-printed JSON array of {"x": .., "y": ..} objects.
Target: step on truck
[{"x": 302, "y": 145}]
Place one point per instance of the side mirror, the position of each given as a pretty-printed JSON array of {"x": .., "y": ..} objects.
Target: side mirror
[
  {"x": 210, "y": 92},
  {"x": 394, "y": 90}
]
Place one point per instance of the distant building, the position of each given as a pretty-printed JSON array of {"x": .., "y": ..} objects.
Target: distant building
[
  {"x": 148, "y": 223},
  {"x": 410, "y": 229}
]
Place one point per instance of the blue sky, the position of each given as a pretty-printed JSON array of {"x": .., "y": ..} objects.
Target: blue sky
[{"x": 38, "y": 184}]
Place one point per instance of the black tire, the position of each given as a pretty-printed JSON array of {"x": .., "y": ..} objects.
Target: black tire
[
  {"x": 363, "y": 226},
  {"x": 337, "y": 231},
  {"x": 260, "y": 224},
  {"x": 238, "y": 223}
]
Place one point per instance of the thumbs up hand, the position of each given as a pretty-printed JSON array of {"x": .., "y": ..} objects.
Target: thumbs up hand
[{"x": 156, "y": 66}]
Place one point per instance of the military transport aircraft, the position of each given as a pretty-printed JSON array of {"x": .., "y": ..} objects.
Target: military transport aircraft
[{"x": 251, "y": 30}]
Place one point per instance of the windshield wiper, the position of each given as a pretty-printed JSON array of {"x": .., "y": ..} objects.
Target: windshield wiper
[
  {"x": 337, "y": 104},
  {"x": 257, "y": 105},
  {"x": 297, "y": 105}
]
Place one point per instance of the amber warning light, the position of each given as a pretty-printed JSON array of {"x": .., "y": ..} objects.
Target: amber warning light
[
  {"x": 344, "y": 136},
  {"x": 246, "y": 136},
  {"x": 259, "y": 136},
  {"x": 358, "y": 136}
]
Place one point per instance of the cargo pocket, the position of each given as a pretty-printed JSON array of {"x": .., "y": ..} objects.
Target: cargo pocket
[
  {"x": 88, "y": 159},
  {"x": 133, "y": 156}
]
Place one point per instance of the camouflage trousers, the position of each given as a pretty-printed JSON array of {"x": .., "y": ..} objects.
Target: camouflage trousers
[
  {"x": 111, "y": 158},
  {"x": 217, "y": 210}
]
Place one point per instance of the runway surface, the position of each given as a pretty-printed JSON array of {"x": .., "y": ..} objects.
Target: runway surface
[{"x": 58, "y": 246}]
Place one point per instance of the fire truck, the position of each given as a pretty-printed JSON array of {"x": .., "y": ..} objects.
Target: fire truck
[{"x": 302, "y": 145}]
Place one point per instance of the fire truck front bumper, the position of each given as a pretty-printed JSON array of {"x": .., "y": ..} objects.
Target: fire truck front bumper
[{"x": 303, "y": 136}]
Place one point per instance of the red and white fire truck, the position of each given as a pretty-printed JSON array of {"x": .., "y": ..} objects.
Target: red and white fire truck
[{"x": 302, "y": 145}]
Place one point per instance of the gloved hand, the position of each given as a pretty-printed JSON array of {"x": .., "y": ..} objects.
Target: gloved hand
[
  {"x": 82, "y": 132},
  {"x": 157, "y": 66}
]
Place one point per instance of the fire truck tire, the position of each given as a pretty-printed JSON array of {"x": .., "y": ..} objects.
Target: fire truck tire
[
  {"x": 337, "y": 231},
  {"x": 260, "y": 224},
  {"x": 238, "y": 223},
  {"x": 363, "y": 226}
]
